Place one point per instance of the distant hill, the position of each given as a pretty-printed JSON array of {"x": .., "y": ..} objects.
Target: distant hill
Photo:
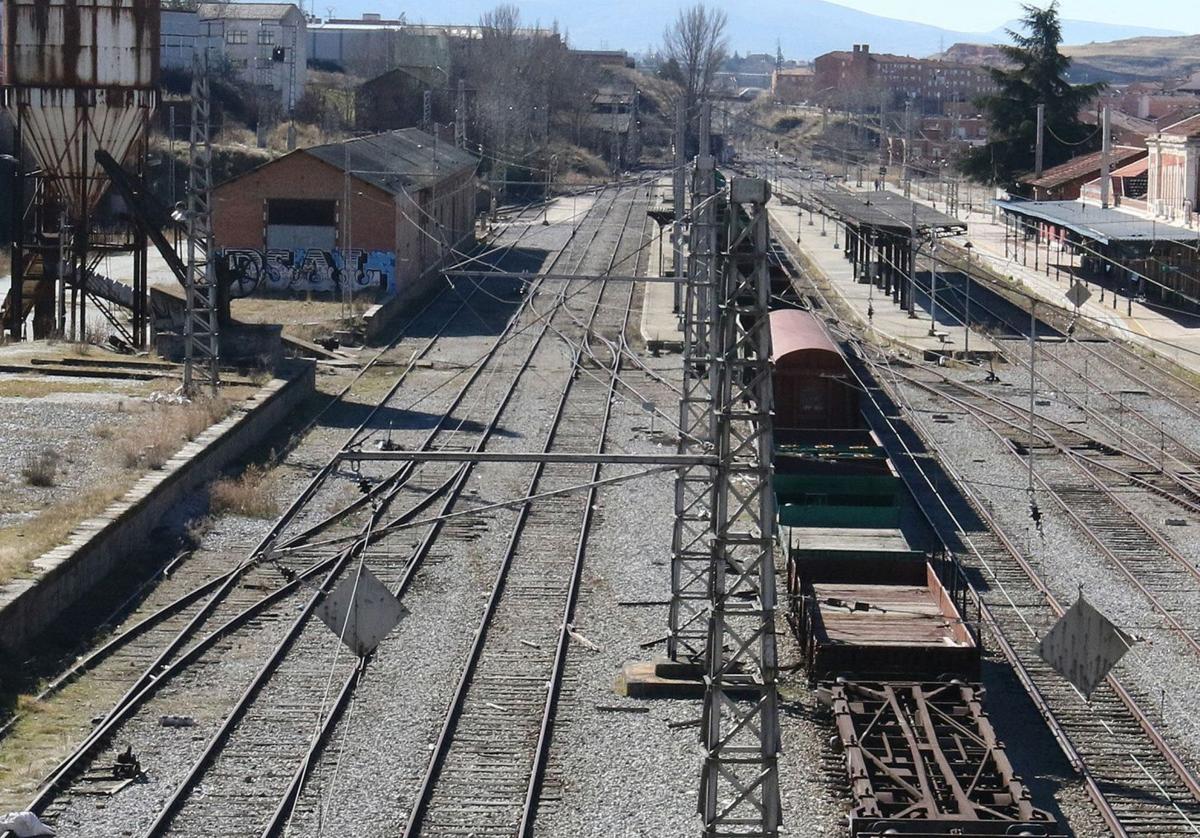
[
  {"x": 804, "y": 28},
  {"x": 1135, "y": 59}
]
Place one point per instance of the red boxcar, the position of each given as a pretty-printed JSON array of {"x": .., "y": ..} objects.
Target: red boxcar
[{"x": 813, "y": 385}]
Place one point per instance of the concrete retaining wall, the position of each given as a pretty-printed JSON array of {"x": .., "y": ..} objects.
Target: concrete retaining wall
[
  {"x": 66, "y": 574},
  {"x": 379, "y": 319}
]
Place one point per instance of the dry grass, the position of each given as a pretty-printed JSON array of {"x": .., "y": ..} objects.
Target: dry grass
[
  {"x": 41, "y": 467},
  {"x": 5, "y": 263},
  {"x": 167, "y": 428},
  {"x": 22, "y": 543},
  {"x": 250, "y": 494}
]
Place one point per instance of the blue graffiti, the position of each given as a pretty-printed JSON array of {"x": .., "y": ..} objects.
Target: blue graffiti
[{"x": 311, "y": 270}]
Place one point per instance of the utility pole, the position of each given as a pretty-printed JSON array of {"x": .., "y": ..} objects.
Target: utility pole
[
  {"x": 426, "y": 110},
  {"x": 908, "y": 139},
  {"x": 691, "y": 543},
  {"x": 1039, "y": 153},
  {"x": 739, "y": 793},
  {"x": 460, "y": 116},
  {"x": 912, "y": 264},
  {"x": 291, "y": 135},
  {"x": 678, "y": 186},
  {"x": 1105, "y": 158},
  {"x": 967, "y": 319},
  {"x": 201, "y": 339},
  {"x": 933, "y": 278}
]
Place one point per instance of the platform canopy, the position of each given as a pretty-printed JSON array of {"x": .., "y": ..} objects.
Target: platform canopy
[
  {"x": 887, "y": 212},
  {"x": 1103, "y": 225}
]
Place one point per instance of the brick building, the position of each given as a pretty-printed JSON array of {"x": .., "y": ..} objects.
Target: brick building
[
  {"x": 1065, "y": 181},
  {"x": 1174, "y": 174},
  {"x": 792, "y": 85},
  {"x": 283, "y": 227},
  {"x": 865, "y": 79}
]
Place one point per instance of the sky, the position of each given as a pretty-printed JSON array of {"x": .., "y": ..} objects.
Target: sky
[{"x": 983, "y": 15}]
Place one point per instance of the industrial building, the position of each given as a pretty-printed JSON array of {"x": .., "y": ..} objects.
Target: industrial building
[{"x": 397, "y": 202}]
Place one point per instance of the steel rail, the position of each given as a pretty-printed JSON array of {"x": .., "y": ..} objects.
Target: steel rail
[
  {"x": 284, "y": 807},
  {"x": 199, "y": 767},
  {"x": 155, "y": 674},
  {"x": 1058, "y": 728},
  {"x": 222, "y": 580},
  {"x": 1124, "y": 569},
  {"x": 417, "y": 815},
  {"x": 545, "y": 734}
]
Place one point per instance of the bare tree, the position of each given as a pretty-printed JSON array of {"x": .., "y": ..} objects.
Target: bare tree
[{"x": 696, "y": 42}]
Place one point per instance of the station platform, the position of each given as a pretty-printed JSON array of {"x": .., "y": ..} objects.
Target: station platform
[
  {"x": 661, "y": 327},
  {"x": 883, "y": 318},
  {"x": 1175, "y": 337}
]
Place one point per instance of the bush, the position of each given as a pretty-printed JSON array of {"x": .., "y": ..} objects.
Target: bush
[
  {"x": 249, "y": 494},
  {"x": 41, "y": 467}
]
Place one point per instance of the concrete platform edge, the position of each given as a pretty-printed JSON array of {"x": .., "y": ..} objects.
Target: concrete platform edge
[{"x": 67, "y": 573}]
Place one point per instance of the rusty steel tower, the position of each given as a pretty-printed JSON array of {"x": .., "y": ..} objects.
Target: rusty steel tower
[{"x": 76, "y": 78}]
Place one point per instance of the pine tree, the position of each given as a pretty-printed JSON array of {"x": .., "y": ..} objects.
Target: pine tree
[{"x": 1037, "y": 76}]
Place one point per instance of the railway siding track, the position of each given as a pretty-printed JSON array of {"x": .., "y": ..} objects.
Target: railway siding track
[
  {"x": 1138, "y": 783},
  {"x": 269, "y": 722}
]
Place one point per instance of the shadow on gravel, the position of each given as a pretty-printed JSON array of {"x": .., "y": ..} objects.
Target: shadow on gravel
[
  {"x": 989, "y": 310},
  {"x": 353, "y": 414}
]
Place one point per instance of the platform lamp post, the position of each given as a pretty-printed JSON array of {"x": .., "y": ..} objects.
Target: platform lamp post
[
  {"x": 967, "y": 317},
  {"x": 933, "y": 278}
]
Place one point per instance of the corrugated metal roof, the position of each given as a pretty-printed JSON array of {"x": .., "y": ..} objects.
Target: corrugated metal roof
[
  {"x": 1097, "y": 223},
  {"x": 1082, "y": 166},
  {"x": 885, "y": 210},
  {"x": 795, "y": 330},
  {"x": 245, "y": 11},
  {"x": 395, "y": 161}
]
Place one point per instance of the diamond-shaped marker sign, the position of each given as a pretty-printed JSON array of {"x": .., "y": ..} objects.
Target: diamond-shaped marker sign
[
  {"x": 1083, "y": 646},
  {"x": 1078, "y": 294},
  {"x": 361, "y": 611}
]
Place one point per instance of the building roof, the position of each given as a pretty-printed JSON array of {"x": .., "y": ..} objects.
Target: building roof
[
  {"x": 1085, "y": 165},
  {"x": 1189, "y": 127},
  {"x": 885, "y": 211},
  {"x": 395, "y": 161},
  {"x": 245, "y": 11},
  {"x": 1099, "y": 224},
  {"x": 795, "y": 330},
  {"x": 1138, "y": 167}
]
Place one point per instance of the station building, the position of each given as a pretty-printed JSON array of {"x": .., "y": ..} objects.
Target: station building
[{"x": 377, "y": 213}]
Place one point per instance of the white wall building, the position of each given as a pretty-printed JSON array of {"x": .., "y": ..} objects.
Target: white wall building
[
  {"x": 1174, "y": 173},
  {"x": 266, "y": 44}
]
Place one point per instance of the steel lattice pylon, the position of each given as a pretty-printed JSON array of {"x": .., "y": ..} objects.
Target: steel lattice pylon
[
  {"x": 200, "y": 335},
  {"x": 691, "y": 544},
  {"x": 740, "y": 785}
]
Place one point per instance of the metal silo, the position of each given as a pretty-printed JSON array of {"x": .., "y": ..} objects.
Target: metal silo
[{"x": 79, "y": 76}]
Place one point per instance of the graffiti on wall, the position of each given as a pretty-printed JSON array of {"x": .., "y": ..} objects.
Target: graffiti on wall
[{"x": 282, "y": 271}]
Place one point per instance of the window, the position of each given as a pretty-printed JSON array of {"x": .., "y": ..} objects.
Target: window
[
  {"x": 236, "y": 36},
  {"x": 266, "y": 37}
]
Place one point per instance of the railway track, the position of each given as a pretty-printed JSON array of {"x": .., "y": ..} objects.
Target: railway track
[
  {"x": 260, "y": 754},
  {"x": 488, "y": 761},
  {"x": 1138, "y": 783}
]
